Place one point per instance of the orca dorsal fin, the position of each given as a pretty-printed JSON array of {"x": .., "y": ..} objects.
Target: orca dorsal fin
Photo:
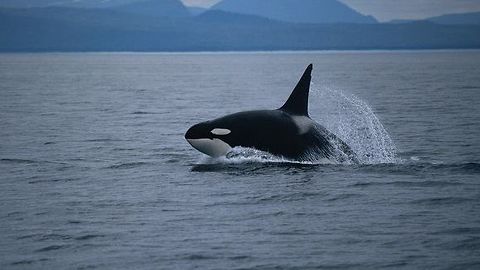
[{"x": 297, "y": 103}]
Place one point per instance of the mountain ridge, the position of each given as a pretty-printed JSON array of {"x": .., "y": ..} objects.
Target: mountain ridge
[
  {"x": 296, "y": 11},
  {"x": 72, "y": 29}
]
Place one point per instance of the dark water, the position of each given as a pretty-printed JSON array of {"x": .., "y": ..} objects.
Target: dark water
[{"x": 95, "y": 173}]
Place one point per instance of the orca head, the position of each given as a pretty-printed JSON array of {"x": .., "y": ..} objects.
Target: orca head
[{"x": 209, "y": 139}]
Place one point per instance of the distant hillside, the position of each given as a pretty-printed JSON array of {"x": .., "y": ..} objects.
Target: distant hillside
[
  {"x": 159, "y": 8},
  {"x": 400, "y": 21},
  {"x": 25, "y": 3},
  {"x": 472, "y": 18},
  {"x": 465, "y": 18},
  {"x": 70, "y": 29},
  {"x": 155, "y": 8},
  {"x": 298, "y": 11},
  {"x": 64, "y": 3},
  {"x": 19, "y": 22},
  {"x": 222, "y": 17},
  {"x": 196, "y": 10}
]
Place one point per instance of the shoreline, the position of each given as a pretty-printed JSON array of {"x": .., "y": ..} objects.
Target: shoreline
[{"x": 333, "y": 51}]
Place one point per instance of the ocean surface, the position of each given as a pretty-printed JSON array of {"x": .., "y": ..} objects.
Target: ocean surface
[{"x": 95, "y": 172}]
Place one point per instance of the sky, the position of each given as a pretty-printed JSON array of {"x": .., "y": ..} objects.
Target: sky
[{"x": 386, "y": 10}]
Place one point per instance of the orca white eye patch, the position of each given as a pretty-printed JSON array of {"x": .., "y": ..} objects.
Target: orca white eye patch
[{"x": 220, "y": 131}]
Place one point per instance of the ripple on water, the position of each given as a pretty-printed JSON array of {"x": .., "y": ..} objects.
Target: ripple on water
[
  {"x": 88, "y": 237},
  {"x": 29, "y": 261},
  {"x": 197, "y": 257},
  {"x": 52, "y": 248},
  {"x": 427, "y": 183},
  {"x": 468, "y": 243},
  {"x": 54, "y": 180},
  {"x": 40, "y": 237},
  {"x": 467, "y": 167},
  {"x": 128, "y": 165},
  {"x": 460, "y": 231},
  {"x": 18, "y": 161},
  {"x": 295, "y": 196},
  {"x": 442, "y": 201},
  {"x": 346, "y": 196}
]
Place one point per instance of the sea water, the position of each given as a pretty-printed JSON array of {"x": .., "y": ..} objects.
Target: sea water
[{"x": 95, "y": 172}]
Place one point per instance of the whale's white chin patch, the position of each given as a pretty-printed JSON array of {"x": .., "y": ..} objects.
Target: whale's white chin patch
[{"x": 212, "y": 147}]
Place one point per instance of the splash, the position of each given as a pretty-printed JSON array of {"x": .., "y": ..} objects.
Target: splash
[
  {"x": 355, "y": 123},
  {"x": 242, "y": 155}
]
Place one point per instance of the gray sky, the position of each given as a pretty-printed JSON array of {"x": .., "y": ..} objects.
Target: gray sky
[{"x": 385, "y": 10}]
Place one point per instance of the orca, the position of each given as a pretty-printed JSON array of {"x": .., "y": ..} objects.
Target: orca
[{"x": 288, "y": 132}]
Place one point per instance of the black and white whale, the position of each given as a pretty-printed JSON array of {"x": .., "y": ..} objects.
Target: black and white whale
[{"x": 288, "y": 132}]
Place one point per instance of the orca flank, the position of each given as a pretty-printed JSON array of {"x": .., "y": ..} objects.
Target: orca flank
[{"x": 288, "y": 132}]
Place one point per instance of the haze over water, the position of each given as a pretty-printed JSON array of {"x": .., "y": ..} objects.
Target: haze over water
[{"x": 95, "y": 172}]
